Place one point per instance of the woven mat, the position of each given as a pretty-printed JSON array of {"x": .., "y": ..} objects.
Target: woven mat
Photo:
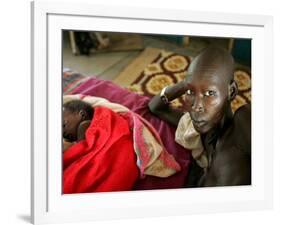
[{"x": 154, "y": 69}]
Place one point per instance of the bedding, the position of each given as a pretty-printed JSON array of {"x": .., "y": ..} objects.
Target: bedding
[
  {"x": 139, "y": 104},
  {"x": 152, "y": 157},
  {"x": 105, "y": 160}
]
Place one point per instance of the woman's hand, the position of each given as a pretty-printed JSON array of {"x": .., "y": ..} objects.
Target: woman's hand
[
  {"x": 66, "y": 144},
  {"x": 164, "y": 111}
]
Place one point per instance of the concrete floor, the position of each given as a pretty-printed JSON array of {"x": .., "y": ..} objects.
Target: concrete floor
[{"x": 108, "y": 65}]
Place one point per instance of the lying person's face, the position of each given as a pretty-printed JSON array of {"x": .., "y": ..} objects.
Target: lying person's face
[
  {"x": 71, "y": 121},
  {"x": 206, "y": 99}
]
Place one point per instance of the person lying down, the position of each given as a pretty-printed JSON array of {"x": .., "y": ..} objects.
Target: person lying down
[
  {"x": 109, "y": 147},
  {"x": 77, "y": 116}
]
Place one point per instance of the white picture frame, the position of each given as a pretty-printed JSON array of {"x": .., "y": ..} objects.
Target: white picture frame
[{"x": 47, "y": 202}]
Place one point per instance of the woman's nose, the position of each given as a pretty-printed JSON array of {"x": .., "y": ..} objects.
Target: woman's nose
[{"x": 197, "y": 105}]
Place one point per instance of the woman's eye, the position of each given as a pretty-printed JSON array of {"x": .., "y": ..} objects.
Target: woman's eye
[
  {"x": 189, "y": 92},
  {"x": 210, "y": 93}
]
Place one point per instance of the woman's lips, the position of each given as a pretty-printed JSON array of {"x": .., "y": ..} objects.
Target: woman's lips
[{"x": 199, "y": 123}]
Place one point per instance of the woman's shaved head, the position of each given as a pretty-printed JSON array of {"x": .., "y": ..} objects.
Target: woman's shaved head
[{"x": 213, "y": 61}]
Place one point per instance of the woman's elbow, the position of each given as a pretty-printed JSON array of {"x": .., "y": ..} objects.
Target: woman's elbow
[{"x": 154, "y": 104}]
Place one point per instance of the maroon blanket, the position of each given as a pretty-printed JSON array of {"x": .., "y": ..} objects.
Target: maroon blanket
[{"x": 139, "y": 104}]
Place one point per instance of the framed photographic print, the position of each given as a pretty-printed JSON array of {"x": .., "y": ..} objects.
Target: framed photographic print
[{"x": 142, "y": 112}]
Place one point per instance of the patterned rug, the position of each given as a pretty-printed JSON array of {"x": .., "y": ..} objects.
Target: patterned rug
[{"x": 166, "y": 68}]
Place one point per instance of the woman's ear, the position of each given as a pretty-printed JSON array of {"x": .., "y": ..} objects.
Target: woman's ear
[
  {"x": 232, "y": 90},
  {"x": 83, "y": 114}
]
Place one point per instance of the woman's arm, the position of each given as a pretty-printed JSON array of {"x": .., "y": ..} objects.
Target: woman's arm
[{"x": 163, "y": 110}]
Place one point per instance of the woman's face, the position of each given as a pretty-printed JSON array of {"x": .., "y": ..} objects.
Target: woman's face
[
  {"x": 206, "y": 98},
  {"x": 71, "y": 121}
]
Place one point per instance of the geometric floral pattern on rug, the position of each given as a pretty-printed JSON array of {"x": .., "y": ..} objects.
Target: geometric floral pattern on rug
[
  {"x": 243, "y": 80},
  {"x": 170, "y": 68},
  {"x": 166, "y": 69}
]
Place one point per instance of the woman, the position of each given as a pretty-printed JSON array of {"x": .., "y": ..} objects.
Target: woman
[{"x": 220, "y": 141}]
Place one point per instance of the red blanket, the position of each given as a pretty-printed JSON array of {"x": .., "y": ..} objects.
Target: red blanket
[{"x": 105, "y": 161}]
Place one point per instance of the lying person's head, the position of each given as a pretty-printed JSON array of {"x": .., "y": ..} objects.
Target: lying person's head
[
  {"x": 75, "y": 112},
  {"x": 210, "y": 87}
]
